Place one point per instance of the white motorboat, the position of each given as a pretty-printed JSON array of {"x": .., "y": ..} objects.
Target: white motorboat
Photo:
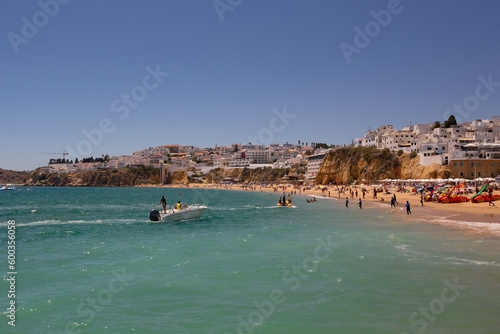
[
  {"x": 173, "y": 214},
  {"x": 8, "y": 187}
]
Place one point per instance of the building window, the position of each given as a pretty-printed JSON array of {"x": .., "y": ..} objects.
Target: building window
[
  {"x": 479, "y": 164},
  {"x": 461, "y": 164},
  {"x": 455, "y": 164},
  {"x": 472, "y": 164},
  {"x": 461, "y": 173},
  {"x": 479, "y": 174},
  {"x": 472, "y": 174}
]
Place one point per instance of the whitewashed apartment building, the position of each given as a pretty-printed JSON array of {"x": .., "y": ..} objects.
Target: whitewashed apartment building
[{"x": 439, "y": 145}]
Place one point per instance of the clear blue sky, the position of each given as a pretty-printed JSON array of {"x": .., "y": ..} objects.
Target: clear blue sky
[{"x": 225, "y": 77}]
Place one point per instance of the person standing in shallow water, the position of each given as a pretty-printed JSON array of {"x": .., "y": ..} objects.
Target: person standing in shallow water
[
  {"x": 408, "y": 210},
  {"x": 347, "y": 202},
  {"x": 360, "y": 203}
]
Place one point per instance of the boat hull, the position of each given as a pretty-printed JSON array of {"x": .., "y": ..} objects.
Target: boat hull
[{"x": 191, "y": 212}]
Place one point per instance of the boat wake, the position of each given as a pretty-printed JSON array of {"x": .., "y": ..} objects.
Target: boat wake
[
  {"x": 456, "y": 260},
  {"x": 52, "y": 222},
  {"x": 247, "y": 208}
]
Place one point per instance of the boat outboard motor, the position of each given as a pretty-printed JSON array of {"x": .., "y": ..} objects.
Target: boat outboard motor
[{"x": 154, "y": 216}]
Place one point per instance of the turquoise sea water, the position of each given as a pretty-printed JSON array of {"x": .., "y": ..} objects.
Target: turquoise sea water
[{"x": 89, "y": 261}]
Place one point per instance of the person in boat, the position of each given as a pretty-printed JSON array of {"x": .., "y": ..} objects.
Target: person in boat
[
  {"x": 289, "y": 200},
  {"x": 280, "y": 202},
  {"x": 163, "y": 202},
  {"x": 178, "y": 206}
]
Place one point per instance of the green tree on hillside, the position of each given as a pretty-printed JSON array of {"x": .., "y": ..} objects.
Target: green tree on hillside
[
  {"x": 437, "y": 124},
  {"x": 451, "y": 121}
]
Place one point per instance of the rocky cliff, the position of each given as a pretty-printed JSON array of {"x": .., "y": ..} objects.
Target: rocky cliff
[
  {"x": 368, "y": 164},
  {"x": 178, "y": 177},
  {"x": 105, "y": 178},
  {"x": 127, "y": 177},
  {"x": 9, "y": 176}
]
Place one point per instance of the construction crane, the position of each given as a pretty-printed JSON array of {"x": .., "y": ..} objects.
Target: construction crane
[{"x": 63, "y": 154}]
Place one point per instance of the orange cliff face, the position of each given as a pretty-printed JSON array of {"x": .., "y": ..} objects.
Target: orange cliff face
[{"x": 368, "y": 164}]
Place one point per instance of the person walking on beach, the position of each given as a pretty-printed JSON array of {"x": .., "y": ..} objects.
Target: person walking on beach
[
  {"x": 408, "y": 210},
  {"x": 393, "y": 204},
  {"x": 422, "y": 199},
  {"x": 163, "y": 202},
  {"x": 395, "y": 200},
  {"x": 490, "y": 197},
  {"x": 347, "y": 202},
  {"x": 360, "y": 203}
]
